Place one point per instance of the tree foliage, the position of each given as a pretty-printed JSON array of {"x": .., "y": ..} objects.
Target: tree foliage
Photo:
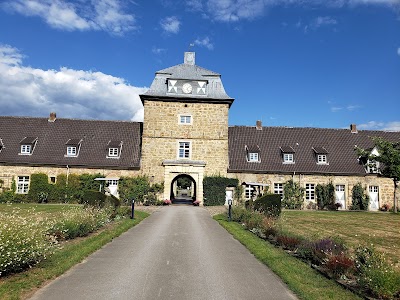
[
  {"x": 293, "y": 195},
  {"x": 214, "y": 189},
  {"x": 389, "y": 161},
  {"x": 325, "y": 196},
  {"x": 133, "y": 188},
  {"x": 360, "y": 199}
]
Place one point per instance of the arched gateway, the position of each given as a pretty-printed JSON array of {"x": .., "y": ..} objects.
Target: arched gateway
[
  {"x": 185, "y": 127},
  {"x": 183, "y": 189}
]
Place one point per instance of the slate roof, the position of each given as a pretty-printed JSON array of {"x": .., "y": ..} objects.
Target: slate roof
[
  {"x": 186, "y": 71},
  {"x": 53, "y": 137},
  {"x": 338, "y": 144}
]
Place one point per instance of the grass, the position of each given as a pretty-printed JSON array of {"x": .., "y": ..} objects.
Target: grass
[
  {"x": 305, "y": 282},
  {"x": 354, "y": 228},
  {"x": 21, "y": 285}
]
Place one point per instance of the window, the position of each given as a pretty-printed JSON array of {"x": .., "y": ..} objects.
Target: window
[
  {"x": 112, "y": 182},
  {"x": 253, "y": 156},
  {"x": 310, "y": 192},
  {"x": 278, "y": 188},
  {"x": 288, "y": 158},
  {"x": 113, "y": 152},
  {"x": 26, "y": 149},
  {"x": 184, "y": 150},
  {"x": 71, "y": 151},
  {"x": 52, "y": 179},
  {"x": 321, "y": 159},
  {"x": 372, "y": 166},
  {"x": 185, "y": 119},
  {"x": 248, "y": 191},
  {"x": 22, "y": 184},
  {"x": 340, "y": 188}
]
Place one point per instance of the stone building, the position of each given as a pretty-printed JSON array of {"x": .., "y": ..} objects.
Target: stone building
[{"x": 185, "y": 133}]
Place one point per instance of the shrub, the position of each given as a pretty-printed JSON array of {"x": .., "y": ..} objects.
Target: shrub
[
  {"x": 39, "y": 188},
  {"x": 238, "y": 214},
  {"x": 325, "y": 196},
  {"x": 339, "y": 265},
  {"x": 375, "y": 274},
  {"x": 288, "y": 241},
  {"x": 7, "y": 197},
  {"x": 325, "y": 247},
  {"x": 94, "y": 198},
  {"x": 306, "y": 250},
  {"x": 133, "y": 188},
  {"x": 20, "y": 198},
  {"x": 268, "y": 227},
  {"x": 269, "y": 205},
  {"x": 253, "y": 220},
  {"x": 360, "y": 199},
  {"x": 293, "y": 195},
  {"x": 214, "y": 189}
]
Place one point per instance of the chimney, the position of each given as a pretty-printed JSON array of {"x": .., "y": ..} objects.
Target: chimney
[
  {"x": 189, "y": 58},
  {"x": 52, "y": 117},
  {"x": 259, "y": 125},
  {"x": 353, "y": 128}
]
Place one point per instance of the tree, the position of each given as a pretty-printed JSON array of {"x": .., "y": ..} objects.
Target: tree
[
  {"x": 360, "y": 199},
  {"x": 389, "y": 161},
  {"x": 293, "y": 195}
]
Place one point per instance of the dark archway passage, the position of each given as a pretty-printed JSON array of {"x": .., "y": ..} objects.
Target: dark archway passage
[{"x": 183, "y": 189}]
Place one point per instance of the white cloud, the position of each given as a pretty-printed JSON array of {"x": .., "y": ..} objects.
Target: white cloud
[
  {"x": 170, "y": 24},
  {"x": 71, "y": 93},
  {"x": 194, "y": 5},
  {"x": 205, "y": 42},
  {"x": 336, "y": 109},
  {"x": 319, "y": 22},
  {"x": 106, "y": 15},
  {"x": 398, "y": 51},
  {"x": 374, "y": 125},
  {"x": 235, "y": 10},
  {"x": 156, "y": 50}
]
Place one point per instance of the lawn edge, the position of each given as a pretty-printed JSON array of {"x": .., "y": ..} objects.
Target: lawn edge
[{"x": 300, "y": 278}]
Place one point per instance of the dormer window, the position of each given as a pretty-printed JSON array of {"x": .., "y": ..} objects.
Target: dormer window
[
  {"x": 372, "y": 166},
  {"x": 253, "y": 153},
  {"x": 287, "y": 154},
  {"x": 28, "y": 145},
  {"x": 73, "y": 147},
  {"x": 321, "y": 155},
  {"x": 114, "y": 149}
]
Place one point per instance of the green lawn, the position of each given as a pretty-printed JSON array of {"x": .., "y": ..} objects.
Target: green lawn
[{"x": 366, "y": 228}]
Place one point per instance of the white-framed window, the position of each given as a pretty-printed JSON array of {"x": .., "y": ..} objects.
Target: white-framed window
[
  {"x": 113, "y": 152},
  {"x": 373, "y": 189},
  {"x": 253, "y": 156},
  {"x": 112, "y": 182},
  {"x": 185, "y": 119},
  {"x": 310, "y": 191},
  {"x": 372, "y": 167},
  {"x": 71, "y": 151},
  {"x": 322, "y": 159},
  {"x": 288, "y": 158},
  {"x": 22, "y": 184},
  {"x": 248, "y": 190},
  {"x": 184, "y": 149},
  {"x": 52, "y": 179},
  {"x": 26, "y": 149},
  {"x": 339, "y": 188},
  {"x": 278, "y": 188}
]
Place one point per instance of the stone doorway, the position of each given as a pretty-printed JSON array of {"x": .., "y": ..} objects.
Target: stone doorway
[{"x": 183, "y": 189}]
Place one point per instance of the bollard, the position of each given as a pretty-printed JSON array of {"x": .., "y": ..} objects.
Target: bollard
[
  {"x": 133, "y": 209},
  {"x": 230, "y": 210}
]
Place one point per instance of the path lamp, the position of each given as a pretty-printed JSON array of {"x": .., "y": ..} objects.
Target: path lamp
[
  {"x": 230, "y": 209},
  {"x": 133, "y": 209}
]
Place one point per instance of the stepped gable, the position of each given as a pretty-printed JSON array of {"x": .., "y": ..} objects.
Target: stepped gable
[
  {"x": 338, "y": 145},
  {"x": 53, "y": 136}
]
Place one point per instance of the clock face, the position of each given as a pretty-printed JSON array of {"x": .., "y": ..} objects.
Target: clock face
[{"x": 187, "y": 88}]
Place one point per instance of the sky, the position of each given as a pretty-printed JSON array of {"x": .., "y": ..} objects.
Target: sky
[{"x": 296, "y": 63}]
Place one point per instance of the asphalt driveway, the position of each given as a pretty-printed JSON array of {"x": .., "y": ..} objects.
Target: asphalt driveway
[{"x": 179, "y": 252}]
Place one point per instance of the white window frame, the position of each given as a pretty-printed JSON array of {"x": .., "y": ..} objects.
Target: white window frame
[
  {"x": 185, "y": 119},
  {"x": 112, "y": 182},
  {"x": 278, "y": 188},
  {"x": 372, "y": 166},
  {"x": 248, "y": 191},
  {"x": 72, "y": 151},
  {"x": 340, "y": 188},
  {"x": 322, "y": 159},
  {"x": 22, "y": 184},
  {"x": 26, "y": 149},
  {"x": 288, "y": 158},
  {"x": 310, "y": 192},
  {"x": 184, "y": 150},
  {"x": 113, "y": 152},
  {"x": 253, "y": 157}
]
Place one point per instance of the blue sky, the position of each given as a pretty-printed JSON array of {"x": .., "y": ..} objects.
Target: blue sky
[{"x": 302, "y": 63}]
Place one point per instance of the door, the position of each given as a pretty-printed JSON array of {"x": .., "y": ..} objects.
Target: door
[
  {"x": 340, "y": 196},
  {"x": 373, "y": 197}
]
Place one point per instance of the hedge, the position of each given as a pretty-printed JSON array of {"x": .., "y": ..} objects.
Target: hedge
[
  {"x": 269, "y": 204},
  {"x": 214, "y": 189}
]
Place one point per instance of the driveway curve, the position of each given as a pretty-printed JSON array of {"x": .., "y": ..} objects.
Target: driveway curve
[{"x": 179, "y": 252}]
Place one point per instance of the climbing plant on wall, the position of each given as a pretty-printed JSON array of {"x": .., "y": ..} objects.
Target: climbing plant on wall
[{"x": 214, "y": 188}]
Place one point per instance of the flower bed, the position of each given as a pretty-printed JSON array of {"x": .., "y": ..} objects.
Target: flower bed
[
  {"x": 362, "y": 270},
  {"x": 28, "y": 238}
]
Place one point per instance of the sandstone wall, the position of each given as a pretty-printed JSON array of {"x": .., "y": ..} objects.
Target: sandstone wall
[{"x": 385, "y": 185}]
